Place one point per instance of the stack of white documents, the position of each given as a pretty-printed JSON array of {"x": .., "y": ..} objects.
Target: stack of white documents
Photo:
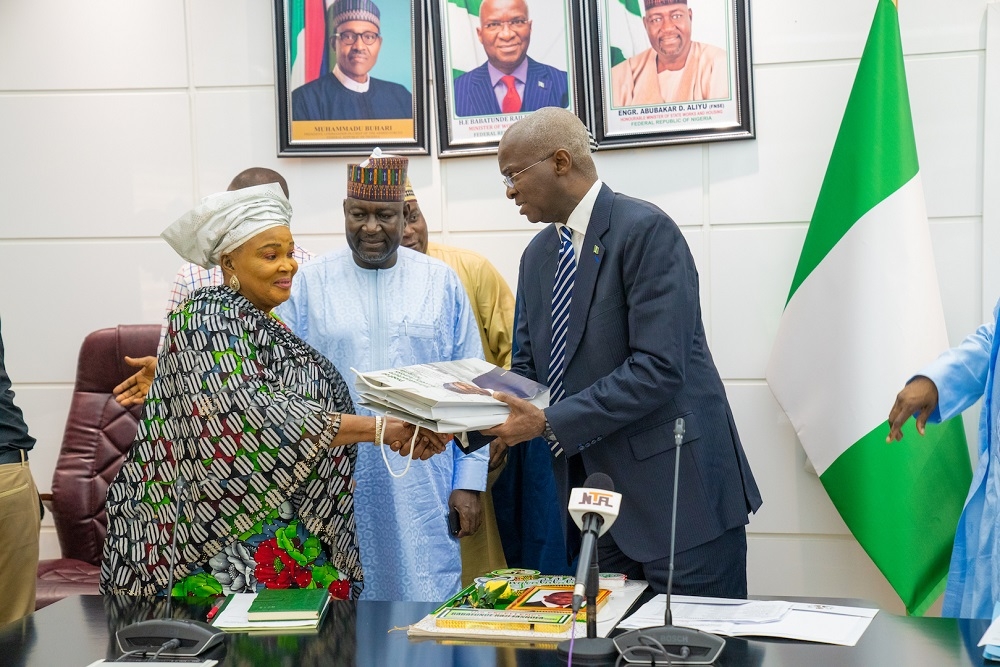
[
  {"x": 447, "y": 396},
  {"x": 827, "y": 624}
]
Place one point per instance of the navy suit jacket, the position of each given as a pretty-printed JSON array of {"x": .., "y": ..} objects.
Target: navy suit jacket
[
  {"x": 544, "y": 86},
  {"x": 636, "y": 360}
]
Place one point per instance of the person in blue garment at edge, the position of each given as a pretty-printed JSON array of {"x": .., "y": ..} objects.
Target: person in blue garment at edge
[
  {"x": 375, "y": 305},
  {"x": 939, "y": 391}
]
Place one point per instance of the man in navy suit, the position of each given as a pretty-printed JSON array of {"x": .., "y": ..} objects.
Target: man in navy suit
[
  {"x": 634, "y": 359},
  {"x": 509, "y": 81}
]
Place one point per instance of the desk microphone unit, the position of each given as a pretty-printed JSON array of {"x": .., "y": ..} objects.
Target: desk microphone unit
[
  {"x": 175, "y": 637},
  {"x": 670, "y": 644},
  {"x": 593, "y": 508}
]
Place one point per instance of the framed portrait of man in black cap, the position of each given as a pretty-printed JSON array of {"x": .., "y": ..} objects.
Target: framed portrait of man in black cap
[
  {"x": 497, "y": 60},
  {"x": 670, "y": 71},
  {"x": 350, "y": 76}
]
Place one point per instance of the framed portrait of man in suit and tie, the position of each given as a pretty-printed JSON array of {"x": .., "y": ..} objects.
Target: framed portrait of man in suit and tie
[
  {"x": 350, "y": 76},
  {"x": 670, "y": 71},
  {"x": 498, "y": 60}
]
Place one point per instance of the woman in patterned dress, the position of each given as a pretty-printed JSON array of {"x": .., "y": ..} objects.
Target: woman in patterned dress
[{"x": 246, "y": 428}]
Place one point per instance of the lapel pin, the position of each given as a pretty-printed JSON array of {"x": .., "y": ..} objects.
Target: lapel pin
[
  {"x": 541, "y": 84},
  {"x": 597, "y": 250}
]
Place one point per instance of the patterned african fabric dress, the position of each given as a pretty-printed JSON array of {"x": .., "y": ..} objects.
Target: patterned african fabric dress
[{"x": 237, "y": 425}]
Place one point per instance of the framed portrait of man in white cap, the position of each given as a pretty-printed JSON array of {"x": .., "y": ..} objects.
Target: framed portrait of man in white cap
[
  {"x": 671, "y": 71},
  {"x": 350, "y": 75}
]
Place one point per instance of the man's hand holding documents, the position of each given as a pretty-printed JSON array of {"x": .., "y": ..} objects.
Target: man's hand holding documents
[{"x": 447, "y": 396}]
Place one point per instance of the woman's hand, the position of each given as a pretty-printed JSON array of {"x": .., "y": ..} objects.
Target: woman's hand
[
  {"x": 398, "y": 435},
  {"x": 133, "y": 390}
]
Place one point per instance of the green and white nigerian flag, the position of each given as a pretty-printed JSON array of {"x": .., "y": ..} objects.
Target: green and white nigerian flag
[
  {"x": 863, "y": 314},
  {"x": 626, "y": 33},
  {"x": 466, "y": 51}
]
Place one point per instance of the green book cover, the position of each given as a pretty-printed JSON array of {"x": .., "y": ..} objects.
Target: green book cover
[{"x": 288, "y": 604}]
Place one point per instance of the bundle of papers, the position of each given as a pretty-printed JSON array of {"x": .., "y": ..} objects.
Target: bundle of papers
[
  {"x": 446, "y": 396},
  {"x": 827, "y": 624},
  {"x": 234, "y": 617}
]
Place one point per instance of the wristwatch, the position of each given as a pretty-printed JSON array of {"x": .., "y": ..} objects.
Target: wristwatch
[
  {"x": 553, "y": 441},
  {"x": 549, "y": 436}
]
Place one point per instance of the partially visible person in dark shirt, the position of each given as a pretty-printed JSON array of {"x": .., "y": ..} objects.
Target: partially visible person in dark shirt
[{"x": 20, "y": 518}]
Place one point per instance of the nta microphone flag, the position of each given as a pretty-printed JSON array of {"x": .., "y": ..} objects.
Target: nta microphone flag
[{"x": 863, "y": 314}]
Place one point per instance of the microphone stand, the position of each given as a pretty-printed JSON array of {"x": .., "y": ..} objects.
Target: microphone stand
[
  {"x": 170, "y": 636},
  {"x": 589, "y": 650},
  {"x": 180, "y": 492},
  {"x": 593, "y": 586},
  {"x": 680, "y": 646}
]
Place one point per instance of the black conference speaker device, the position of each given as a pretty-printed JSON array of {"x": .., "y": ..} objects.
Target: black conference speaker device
[
  {"x": 174, "y": 637},
  {"x": 670, "y": 644},
  {"x": 593, "y": 508},
  {"x": 187, "y": 637}
]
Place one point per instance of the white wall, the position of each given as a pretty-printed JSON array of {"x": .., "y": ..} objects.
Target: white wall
[{"x": 128, "y": 111}]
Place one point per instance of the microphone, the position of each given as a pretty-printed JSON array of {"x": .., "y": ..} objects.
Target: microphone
[
  {"x": 594, "y": 508},
  {"x": 176, "y": 637},
  {"x": 680, "y": 646}
]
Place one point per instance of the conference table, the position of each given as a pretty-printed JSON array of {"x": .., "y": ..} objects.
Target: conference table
[{"x": 80, "y": 630}]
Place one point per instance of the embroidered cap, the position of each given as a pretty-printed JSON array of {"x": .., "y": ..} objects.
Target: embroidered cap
[
  {"x": 379, "y": 178},
  {"x": 410, "y": 194},
  {"x": 352, "y": 10},
  {"x": 224, "y": 221},
  {"x": 659, "y": 3}
]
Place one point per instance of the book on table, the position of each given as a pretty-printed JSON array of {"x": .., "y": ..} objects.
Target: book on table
[
  {"x": 504, "y": 619},
  {"x": 465, "y": 618},
  {"x": 289, "y": 604}
]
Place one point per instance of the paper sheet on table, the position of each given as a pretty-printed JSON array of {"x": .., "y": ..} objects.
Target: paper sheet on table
[
  {"x": 692, "y": 608},
  {"x": 827, "y": 624},
  {"x": 735, "y": 611}
]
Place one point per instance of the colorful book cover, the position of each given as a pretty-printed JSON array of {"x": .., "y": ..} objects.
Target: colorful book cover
[
  {"x": 501, "y": 587},
  {"x": 553, "y": 598}
]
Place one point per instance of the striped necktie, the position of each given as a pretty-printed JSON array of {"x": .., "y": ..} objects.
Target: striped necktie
[{"x": 562, "y": 296}]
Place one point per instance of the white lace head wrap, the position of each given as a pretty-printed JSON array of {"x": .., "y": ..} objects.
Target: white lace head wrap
[{"x": 224, "y": 221}]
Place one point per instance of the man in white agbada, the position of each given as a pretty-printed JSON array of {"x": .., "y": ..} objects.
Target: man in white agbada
[{"x": 372, "y": 306}]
